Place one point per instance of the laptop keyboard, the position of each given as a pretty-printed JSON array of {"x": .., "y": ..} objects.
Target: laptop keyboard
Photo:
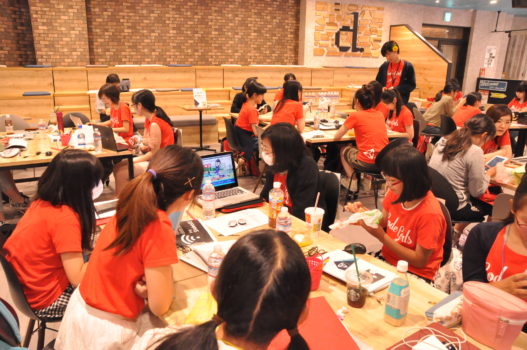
[{"x": 228, "y": 193}]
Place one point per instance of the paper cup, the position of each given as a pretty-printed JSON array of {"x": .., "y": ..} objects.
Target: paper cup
[
  {"x": 65, "y": 139},
  {"x": 316, "y": 264},
  {"x": 314, "y": 220}
]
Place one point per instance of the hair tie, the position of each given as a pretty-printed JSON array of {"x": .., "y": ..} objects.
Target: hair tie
[
  {"x": 293, "y": 332},
  {"x": 153, "y": 172},
  {"x": 189, "y": 181},
  {"x": 217, "y": 319}
]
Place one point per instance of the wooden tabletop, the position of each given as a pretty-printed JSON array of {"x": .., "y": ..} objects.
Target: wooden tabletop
[
  {"x": 42, "y": 143},
  {"x": 329, "y": 136},
  {"x": 194, "y": 108},
  {"x": 366, "y": 323},
  {"x": 516, "y": 126}
]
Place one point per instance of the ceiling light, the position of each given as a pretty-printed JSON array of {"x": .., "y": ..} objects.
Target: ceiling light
[
  {"x": 492, "y": 2},
  {"x": 437, "y": 1}
]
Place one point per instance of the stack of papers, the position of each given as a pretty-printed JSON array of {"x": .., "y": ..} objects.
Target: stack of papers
[{"x": 313, "y": 134}]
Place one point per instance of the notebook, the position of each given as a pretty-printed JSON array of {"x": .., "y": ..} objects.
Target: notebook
[
  {"x": 220, "y": 169},
  {"x": 108, "y": 140},
  {"x": 321, "y": 329}
]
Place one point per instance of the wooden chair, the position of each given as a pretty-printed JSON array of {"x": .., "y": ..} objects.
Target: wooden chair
[{"x": 501, "y": 208}]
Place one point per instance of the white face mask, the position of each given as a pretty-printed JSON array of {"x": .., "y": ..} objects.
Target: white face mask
[
  {"x": 97, "y": 190},
  {"x": 268, "y": 159}
]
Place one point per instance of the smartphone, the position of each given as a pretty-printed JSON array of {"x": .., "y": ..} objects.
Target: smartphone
[{"x": 494, "y": 161}]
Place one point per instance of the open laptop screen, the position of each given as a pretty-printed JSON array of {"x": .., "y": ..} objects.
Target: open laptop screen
[{"x": 219, "y": 168}]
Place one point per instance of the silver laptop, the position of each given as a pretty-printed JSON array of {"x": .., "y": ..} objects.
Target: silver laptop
[{"x": 220, "y": 169}]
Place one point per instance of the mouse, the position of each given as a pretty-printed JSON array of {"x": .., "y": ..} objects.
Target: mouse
[{"x": 359, "y": 248}]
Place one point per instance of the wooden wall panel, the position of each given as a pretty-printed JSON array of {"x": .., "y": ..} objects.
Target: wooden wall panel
[
  {"x": 68, "y": 79},
  {"x": 430, "y": 68},
  {"x": 322, "y": 77},
  {"x": 28, "y": 107},
  {"x": 353, "y": 76},
  {"x": 15, "y": 81},
  {"x": 209, "y": 77},
  {"x": 145, "y": 77}
]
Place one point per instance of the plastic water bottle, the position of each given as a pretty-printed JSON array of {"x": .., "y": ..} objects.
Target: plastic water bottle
[
  {"x": 8, "y": 124},
  {"x": 276, "y": 200},
  {"x": 398, "y": 297},
  {"x": 209, "y": 196},
  {"x": 214, "y": 262},
  {"x": 316, "y": 120},
  {"x": 283, "y": 221},
  {"x": 97, "y": 140},
  {"x": 81, "y": 138}
]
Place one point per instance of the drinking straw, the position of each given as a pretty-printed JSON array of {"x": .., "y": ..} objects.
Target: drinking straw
[
  {"x": 316, "y": 201},
  {"x": 356, "y": 264}
]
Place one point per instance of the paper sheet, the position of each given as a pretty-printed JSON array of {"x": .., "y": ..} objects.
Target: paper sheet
[{"x": 253, "y": 217}]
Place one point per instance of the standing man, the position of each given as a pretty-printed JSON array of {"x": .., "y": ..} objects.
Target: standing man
[{"x": 396, "y": 73}]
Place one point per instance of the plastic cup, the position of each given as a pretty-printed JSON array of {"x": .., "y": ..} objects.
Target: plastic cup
[
  {"x": 356, "y": 293},
  {"x": 314, "y": 220},
  {"x": 65, "y": 139},
  {"x": 316, "y": 264}
]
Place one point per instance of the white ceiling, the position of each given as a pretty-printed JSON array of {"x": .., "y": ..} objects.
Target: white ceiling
[{"x": 500, "y": 5}]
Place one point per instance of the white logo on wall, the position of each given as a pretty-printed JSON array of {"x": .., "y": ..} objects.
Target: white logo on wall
[{"x": 490, "y": 57}]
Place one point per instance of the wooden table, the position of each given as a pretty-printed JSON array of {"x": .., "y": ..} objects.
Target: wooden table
[
  {"x": 522, "y": 138},
  {"x": 366, "y": 323},
  {"x": 349, "y": 136},
  {"x": 42, "y": 143},
  {"x": 200, "y": 110}
]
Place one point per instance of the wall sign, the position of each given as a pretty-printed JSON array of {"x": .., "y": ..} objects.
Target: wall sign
[{"x": 347, "y": 30}]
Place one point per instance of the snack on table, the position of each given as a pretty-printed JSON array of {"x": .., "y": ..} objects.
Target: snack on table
[{"x": 370, "y": 218}]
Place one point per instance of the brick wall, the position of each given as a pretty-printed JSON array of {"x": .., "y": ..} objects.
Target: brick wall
[
  {"x": 198, "y": 32},
  {"x": 16, "y": 40},
  {"x": 60, "y": 32}
]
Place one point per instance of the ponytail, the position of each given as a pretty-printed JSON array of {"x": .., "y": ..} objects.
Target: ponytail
[
  {"x": 195, "y": 338},
  {"x": 297, "y": 341},
  {"x": 365, "y": 98},
  {"x": 161, "y": 114},
  {"x": 472, "y": 98}
]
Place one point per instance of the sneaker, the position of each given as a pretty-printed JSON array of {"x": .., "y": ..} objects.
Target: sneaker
[{"x": 345, "y": 182}]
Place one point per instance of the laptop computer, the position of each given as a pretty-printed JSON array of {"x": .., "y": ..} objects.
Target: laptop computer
[
  {"x": 108, "y": 140},
  {"x": 220, "y": 169}
]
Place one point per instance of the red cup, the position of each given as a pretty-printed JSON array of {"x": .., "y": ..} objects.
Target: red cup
[
  {"x": 315, "y": 264},
  {"x": 65, "y": 139}
]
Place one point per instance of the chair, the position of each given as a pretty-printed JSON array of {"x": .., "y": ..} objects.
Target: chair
[
  {"x": 232, "y": 140},
  {"x": 447, "y": 246},
  {"x": 68, "y": 123},
  {"x": 501, "y": 208},
  {"x": 415, "y": 139},
  {"x": 419, "y": 117},
  {"x": 259, "y": 132},
  {"x": 18, "y": 123},
  {"x": 19, "y": 298},
  {"x": 329, "y": 188},
  {"x": 448, "y": 125},
  {"x": 376, "y": 181}
]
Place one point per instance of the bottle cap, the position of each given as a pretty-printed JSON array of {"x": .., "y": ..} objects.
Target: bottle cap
[
  {"x": 402, "y": 266},
  {"x": 284, "y": 210},
  {"x": 277, "y": 184}
]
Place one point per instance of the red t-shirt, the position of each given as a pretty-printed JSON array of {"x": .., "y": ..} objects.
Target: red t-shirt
[
  {"x": 282, "y": 178},
  {"x": 290, "y": 112},
  {"x": 503, "y": 262},
  {"x": 515, "y": 104},
  {"x": 497, "y": 143},
  {"x": 167, "y": 133},
  {"x": 279, "y": 95},
  {"x": 400, "y": 122},
  {"x": 464, "y": 113},
  {"x": 117, "y": 116},
  {"x": 424, "y": 225},
  {"x": 248, "y": 115},
  {"x": 381, "y": 107},
  {"x": 370, "y": 133},
  {"x": 393, "y": 76},
  {"x": 109, "y": 281},
  {"x": 34, "y": 249}
]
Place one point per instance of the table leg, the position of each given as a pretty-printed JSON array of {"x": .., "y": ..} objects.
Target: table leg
[
  {"x": 130, "y": 167},
  {"x": 201, "y": 147},
  {"x": 520, "y": 144}
]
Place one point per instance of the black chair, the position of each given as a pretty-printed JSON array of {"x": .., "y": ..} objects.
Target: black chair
[
  {"x": 415, "y": 139},
  {"x": 19, "y": 298},
  {"x": 232, "y": 140},
  {"x": 376, "y": 181},
  {"x": 329, "y": 188},
  {"x": 447, "y": 246},
  {"x": 448, "y": 125},
  {"x": 68, "y": 123}
]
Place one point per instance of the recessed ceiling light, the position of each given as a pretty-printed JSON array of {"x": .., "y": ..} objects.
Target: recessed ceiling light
[
  {"x": 492, "y": 2},
  {"x": 437, "y": 1}
]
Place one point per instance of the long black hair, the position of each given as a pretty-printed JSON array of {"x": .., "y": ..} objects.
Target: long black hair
[
  {"x": 388, "y": 96},
  {"x": 365, "y": 97},
  {"x": 288, "y": 146},
  {"x": 292, "y": 91},
  {"x": 261, "y": 288},
  {"x": 69, "y": 180},
  {"x": 147, "y": 99},
  {"x": 376, "y": 88},
  {"x": 472, "y": 98}
]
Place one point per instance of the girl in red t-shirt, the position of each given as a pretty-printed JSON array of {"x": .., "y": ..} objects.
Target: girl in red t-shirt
[
  {"x": 133, "y": 255},
  {"x": 158, "y": 134},
  {"x": 120, "y": 115},
  {"x": 289, "y": 109},
  {"x": 413, "y": 227},
  {"x": 400, "y": 119},
  {"x": 519, "y": 103},
  {"x": 500, "y": 145},
  {"x": 496, "y": 252},
  {"x": 46, "y": 247},
  {"x": 469, "y": 109}
]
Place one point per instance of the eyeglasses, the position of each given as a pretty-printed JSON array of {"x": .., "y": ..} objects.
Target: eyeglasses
[{"x": 315, "y": 251}]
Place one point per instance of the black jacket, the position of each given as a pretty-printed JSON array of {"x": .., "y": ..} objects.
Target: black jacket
[
  {"x": 407, "y": 82},
  {"x": 302, "y": 185},
  {"x": 477, "y": 248}
]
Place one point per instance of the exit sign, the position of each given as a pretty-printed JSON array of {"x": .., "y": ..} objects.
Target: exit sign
[{"x": 448, "y": 16}]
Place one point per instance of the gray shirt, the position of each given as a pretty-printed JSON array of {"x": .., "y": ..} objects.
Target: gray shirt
[{"x": 466, "y": 172}]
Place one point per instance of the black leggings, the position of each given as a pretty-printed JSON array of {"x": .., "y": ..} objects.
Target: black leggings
[
  {"x": 248, "y": 142},
  {"x": 475, "y": 211}
]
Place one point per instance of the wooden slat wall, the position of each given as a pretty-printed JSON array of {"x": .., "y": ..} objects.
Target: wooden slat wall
[
  {"x": 71, "y": 85},
  {"x": 430, "y": 68}
]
